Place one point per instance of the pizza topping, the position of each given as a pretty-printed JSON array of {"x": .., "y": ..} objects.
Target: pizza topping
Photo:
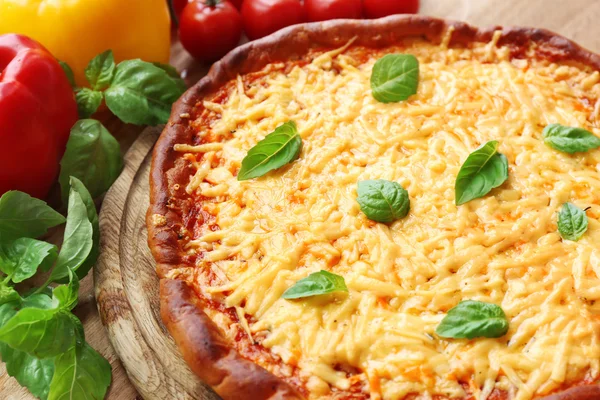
[
  {"x": 471, "y": 319},
  {"x": 483, "y": 170},
  {"x": 395, "y": 77},
  {"x": 402, "y": 277},
  {"x": 278, "y": 148},
  {"x": 322, "y": 282},
  {"x": 572, "y": 222},
  {"x": 383, "y": 201},
  {"x": 568, "y": 139}
]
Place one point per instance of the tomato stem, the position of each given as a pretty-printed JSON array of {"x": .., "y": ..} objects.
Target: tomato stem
[{"x": 212, "y": 3}]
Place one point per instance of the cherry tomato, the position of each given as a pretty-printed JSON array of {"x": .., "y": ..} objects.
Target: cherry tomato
[
  {"x": 209, "y": 29},
  {"x": 322, "y": 10},
  {"x": 263, "y": 17},
  {"x": 383, "y": 8}
]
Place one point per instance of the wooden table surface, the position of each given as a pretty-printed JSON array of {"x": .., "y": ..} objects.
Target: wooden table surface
[{"x": 576, "y": 19}]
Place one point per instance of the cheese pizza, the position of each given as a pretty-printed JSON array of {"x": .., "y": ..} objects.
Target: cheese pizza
[{"x": 405, "y": 208}]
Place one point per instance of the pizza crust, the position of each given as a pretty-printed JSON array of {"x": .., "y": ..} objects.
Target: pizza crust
[
  {"x": 209, "y": 354},
  {"x": 203, "y": 345}
]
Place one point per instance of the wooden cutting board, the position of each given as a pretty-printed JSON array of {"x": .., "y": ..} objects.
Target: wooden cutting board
[{"x": 127, "y": 287}]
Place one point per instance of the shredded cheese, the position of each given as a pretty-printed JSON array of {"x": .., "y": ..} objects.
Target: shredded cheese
[{"x": 403, "y": 277}]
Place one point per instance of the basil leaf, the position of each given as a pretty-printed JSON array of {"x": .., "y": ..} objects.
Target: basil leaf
[
  {"x": 383, "y": 201},
  {"x": 568, "y": 139},
  {"x": 40, "y": 300},
  {"x": 8, "y": 294},
  {"x": 572, "y": 222},
  {"x": 81, "y": 373},
  {"x": 24, "y": 216},
  {"x": 68, "y": 73},
  {"x": 29, "y": 371},
  {"x": 395, "y": 77},
  {"x": 471, "y": 319},
  {"x": 77, "y": 242},
  {"x": 321, "y": 282},
  {"x": 482, "y": 171},
  {"x": 173, "y": 73},
  {"x": 66, "y": 295},
  {"x": 79, "y": 187},
  {"x": 38, "y": 332},
  {"x": 93, "y": 156},
  {"x": 100, "y": 70},
  {"x": 88, "y": 101},
  {"x": 142, "y": 93},
  {"x": 20, "y": 259},
  {"x": 277, "y": 149}
]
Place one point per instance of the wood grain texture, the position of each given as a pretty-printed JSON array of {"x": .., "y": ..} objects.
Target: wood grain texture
[
  {"x": 127, "y": 287},
  {"x": 576, "y": 19}
]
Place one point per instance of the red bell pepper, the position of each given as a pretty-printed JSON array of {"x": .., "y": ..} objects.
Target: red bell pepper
[{"x": 37, "y": 111}]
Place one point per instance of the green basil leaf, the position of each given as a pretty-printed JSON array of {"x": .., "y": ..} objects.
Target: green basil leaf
[
  {"x": 8, "y": 294},
  {"x": 24, "y": 216},
  {"x": 572, "y": 222},
  {"x": 471, "y": 319},
  {"x": 173, "y": 73},
  {"x": 38, "y": 332},
  {"x": 81, "y": 373},
  {"x": 321, "y": 282},
  {"x": 33, "y": 373},
  {"x": 142, "y": 93},
  {"x": 79, "y": 187},
  {"x": 100, "y": 70},
  {"x": 88, "y": 101},
  {"x": 68, "y": 73},
  {"x": 277, "y": 149},
  {"x": 7, "y": 311},
  {"x": 66, "y": 295},
  {"x": 93, "y": 156},
  {"x": 569, "y": 139},
  {"x": 383, "y": 201},
  {"x": 395, "y": 77},
  {"x": 20, "y": 258},
  {"x": 484, "y": 170},
  {"x": 40, "y": 300},
  {"x": 78, "y": 239}
]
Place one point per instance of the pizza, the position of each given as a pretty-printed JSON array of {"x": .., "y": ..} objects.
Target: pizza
[{"x": 405, "y": 208}]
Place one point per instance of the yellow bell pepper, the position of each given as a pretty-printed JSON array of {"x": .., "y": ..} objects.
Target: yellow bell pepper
[{"x": 75, "y": 31}]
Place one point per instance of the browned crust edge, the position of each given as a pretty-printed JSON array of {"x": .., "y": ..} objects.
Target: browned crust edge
[
  {"x": 202, "y": 344},
  {"x": 209, "y": 354}
]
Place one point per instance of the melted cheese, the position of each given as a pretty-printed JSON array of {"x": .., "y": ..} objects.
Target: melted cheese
[{"x": 403, "y": 277}]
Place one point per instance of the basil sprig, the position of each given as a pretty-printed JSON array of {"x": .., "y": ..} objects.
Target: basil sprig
[
  {"x": 41, "y": 342},
  {"x": 569, "y": 139},
  {"x": 572, "y": 222},
  {"x": 395, "y": 77},
  {"x": 277, "y": 149},
  {"x": 137, "y": 92},
  {"x": 383, "y": 201},
  {"x": 317, "y": 283},
  {"x": 471, "y": 319},
  {"x": 484, "y": 170}
]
